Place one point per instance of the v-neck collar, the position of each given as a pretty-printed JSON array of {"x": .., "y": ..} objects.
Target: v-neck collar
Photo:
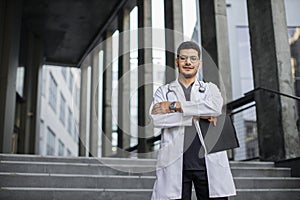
[{"x": 186, "y": 88}]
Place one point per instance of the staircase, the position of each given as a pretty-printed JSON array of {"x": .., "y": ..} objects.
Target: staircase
[{"x": 31, "y": 177}]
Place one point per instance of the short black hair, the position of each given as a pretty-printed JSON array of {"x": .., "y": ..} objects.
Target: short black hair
[{"x": 189, "y": 45}]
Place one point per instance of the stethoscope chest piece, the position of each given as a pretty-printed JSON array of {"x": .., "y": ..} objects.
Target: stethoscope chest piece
[{"x": 201, "y": 89}]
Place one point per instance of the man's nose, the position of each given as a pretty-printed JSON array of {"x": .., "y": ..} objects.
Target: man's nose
[{"x": 188, "y": 61}]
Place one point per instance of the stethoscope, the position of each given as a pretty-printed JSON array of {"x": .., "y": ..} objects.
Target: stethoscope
[{"x": 201, "y": 90}]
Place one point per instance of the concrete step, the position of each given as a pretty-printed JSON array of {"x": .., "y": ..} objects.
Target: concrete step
[
  {"x": 267, "y": 194},
  {"x": 75, "y": 168},
  {"x": 18, "y": 193},
  {"x": 109, "y": 161},
  {"x": 115, "y": 169},
  {"x": 75, "y": 181},
  {"x": 267, "y": 182},
  {"x": 90, "y": 160},
  {"x": 251, "y": 164},
  {"x": 260, "y": 172},
  {"x": 127, "y": 182}
]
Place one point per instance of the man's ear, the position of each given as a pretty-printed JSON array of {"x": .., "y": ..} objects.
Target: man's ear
[{"x": 176, "y": 62}]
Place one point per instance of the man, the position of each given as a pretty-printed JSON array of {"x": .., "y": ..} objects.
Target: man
[{"x": 182, "y": 158}]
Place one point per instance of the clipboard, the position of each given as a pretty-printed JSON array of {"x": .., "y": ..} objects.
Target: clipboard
[{"x": 220, "y": 137}]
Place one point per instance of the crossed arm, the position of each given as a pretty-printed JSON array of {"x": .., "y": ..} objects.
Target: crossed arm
[
  {"x": 208, "y": 108},
  {"x": 163, "y": 108}
]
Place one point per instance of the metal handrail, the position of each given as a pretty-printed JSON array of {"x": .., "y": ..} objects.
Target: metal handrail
[
  {"x": 249, "y": 97},
  {"x": 275, "y": 92}
]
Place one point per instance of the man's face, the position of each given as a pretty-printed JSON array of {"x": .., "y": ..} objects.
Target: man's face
[{"x": 188, "y": 63}]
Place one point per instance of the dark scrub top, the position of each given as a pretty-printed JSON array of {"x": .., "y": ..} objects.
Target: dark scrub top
[{"x": 193, "y": 156}]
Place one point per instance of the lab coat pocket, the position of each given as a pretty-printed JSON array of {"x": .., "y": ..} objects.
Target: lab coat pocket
[
  {"x": 171, "y": 148},
  {"x": 220, "y": 158},
  {"x": 162, "y": 157},
  {"x": 166, "y": 155}
]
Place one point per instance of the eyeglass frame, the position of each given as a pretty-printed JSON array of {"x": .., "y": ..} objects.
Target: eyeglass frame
[{"x": 187, "y": 57}]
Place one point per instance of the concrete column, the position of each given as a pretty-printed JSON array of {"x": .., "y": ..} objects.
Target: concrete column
[
  {"x": 30, "y": 121},
  {"x": 94, "y": 104},
  {"x": 173, "y": 34},
  {"x": 10, "y": 28},
  {"x": 294, "y": 42},
  {"x": 107, "y": 95},
  {"x": 214, "y": 36},
  {"x": 276, "y": 115},
  {"x": 83, "y": 123},
  {"x": 124, "y": 81},
  {"x": 145, "y": 74}
]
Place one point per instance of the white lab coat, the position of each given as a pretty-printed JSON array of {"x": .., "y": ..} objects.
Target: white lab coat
[{"x": 168, "y": 184}]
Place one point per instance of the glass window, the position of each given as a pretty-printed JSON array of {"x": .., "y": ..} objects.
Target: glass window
[
  {"x": 189, "y": 14},
  {"x": 69, "y": 152},
  {"x": 244, "y": 58},
  {"x": 20, "y": 80},
  {"x": 114, "y": 100},
  {"x": 41, "y": 137},
  {"x": 77, "y": 93},
  {"x": 75, "y": 96},
  {"x": 64, "y": 72},
  {"x": 62, "y": 109},
  {"x": 71, "y": 82},
  {"x": 70, "y": 121},
  {"x": 50, "y": 142},
  {"x": 133, "y": 77},
  {"x": 249, "y": 131},
  {"x": 75, "y": 136},
  {"x": 158, "y": 51},
  {"x": 52, "y": 92},
  {"x": 44, "y": 77},
  {"x": 61, "y": 148}
]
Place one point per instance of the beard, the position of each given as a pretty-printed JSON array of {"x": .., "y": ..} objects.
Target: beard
[{"x": 189, "y": 75}]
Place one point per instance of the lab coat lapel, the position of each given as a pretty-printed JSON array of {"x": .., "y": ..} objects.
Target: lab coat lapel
[
  {"x": 176, "y": 87},
  {"x": 194, "y": 91}
]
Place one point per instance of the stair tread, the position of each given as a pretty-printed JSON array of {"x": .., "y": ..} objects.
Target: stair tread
[
  {"x": 132, "y": 190},
  {"x": 105, "y": 160},
  {"x": 129, "y": 176},
  {"x": 79, "y": 164},
  {"x": 123, "y": 165},
  {"x": 72, "y": 189},
  {"x": 74, "y": 175}
]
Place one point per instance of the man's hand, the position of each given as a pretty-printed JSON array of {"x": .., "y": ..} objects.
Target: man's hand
[
  {"x": 161, "y": 108},
  {"x": 213, "y": 120},
  {"x": 209, "y": 118}
]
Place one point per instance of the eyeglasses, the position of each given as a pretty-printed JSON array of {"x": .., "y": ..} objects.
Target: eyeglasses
[{"x": 184, "y": 58}]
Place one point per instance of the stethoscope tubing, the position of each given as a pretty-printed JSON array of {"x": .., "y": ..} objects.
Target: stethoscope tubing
[{"x": 201, "y": 90}]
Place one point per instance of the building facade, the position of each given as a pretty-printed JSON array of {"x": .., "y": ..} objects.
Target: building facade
[{"x": 59, "y": 116}]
